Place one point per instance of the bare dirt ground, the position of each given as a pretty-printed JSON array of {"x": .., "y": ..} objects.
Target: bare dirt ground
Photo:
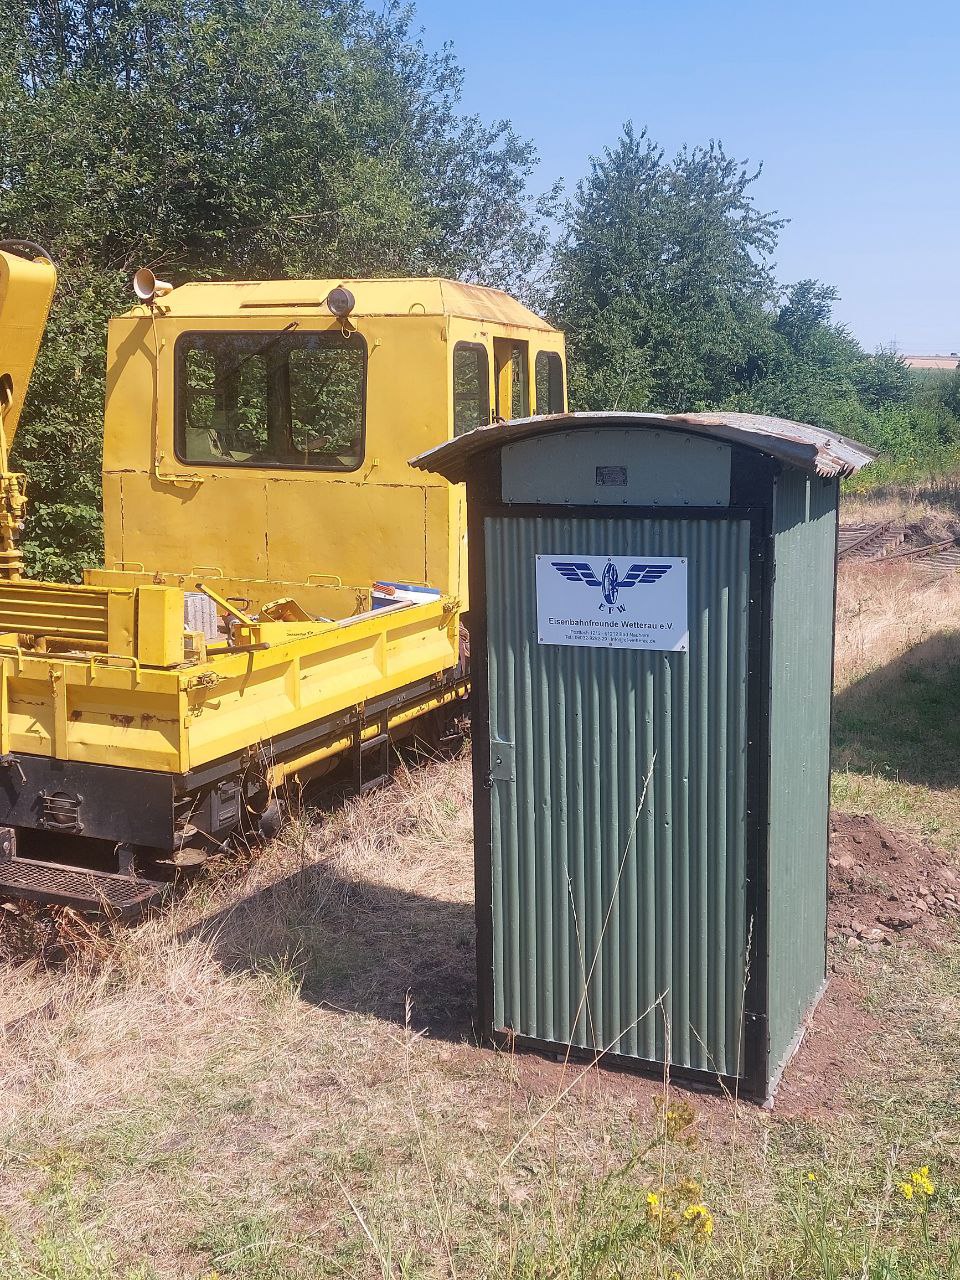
[
  {"x": 886, "y": 889},
  {"x": 884, "y": 886}
]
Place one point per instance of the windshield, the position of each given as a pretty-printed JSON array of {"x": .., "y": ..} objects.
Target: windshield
[{"x": 284, "y": 399}]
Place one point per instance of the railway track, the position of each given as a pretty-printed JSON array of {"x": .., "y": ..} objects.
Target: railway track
[
  {"x": 869, "y": 541},
  {"x": 883, "y": 542},
  {"x": 937, "y": 563}
]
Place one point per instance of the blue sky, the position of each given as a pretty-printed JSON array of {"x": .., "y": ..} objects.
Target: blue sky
[{"x": 853, "y": 108}]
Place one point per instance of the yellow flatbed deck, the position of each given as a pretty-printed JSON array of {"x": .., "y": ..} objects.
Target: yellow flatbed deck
[{"x": 99, "y": 708}]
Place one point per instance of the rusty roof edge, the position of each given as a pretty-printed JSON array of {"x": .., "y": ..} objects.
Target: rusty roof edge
[{"x": 799, "y": 444}]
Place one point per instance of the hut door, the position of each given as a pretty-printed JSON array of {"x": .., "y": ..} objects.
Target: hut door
[{"x": 618, "y": 776}]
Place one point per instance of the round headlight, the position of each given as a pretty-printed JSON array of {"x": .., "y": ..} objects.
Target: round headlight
[{"x": 341, "y": 301}]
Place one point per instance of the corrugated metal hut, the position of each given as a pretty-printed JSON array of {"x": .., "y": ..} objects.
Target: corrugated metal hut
[{"x": 651, "y": 615}]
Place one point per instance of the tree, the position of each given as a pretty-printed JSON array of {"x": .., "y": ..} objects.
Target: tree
[
  {"x": 663, "y": 281},
  {"x": 662, "y": 277},
  {"x": 814, "y": 370},
  {"x": 219, "y": 139}
]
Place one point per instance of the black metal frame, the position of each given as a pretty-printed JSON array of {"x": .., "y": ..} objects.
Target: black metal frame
[
  {"x": 334, "y": 338},
  {"x": 755, "y": 1013},
  {"x": 752, "y": 492},
  {"x": 833, "y": 677},
  {"x": 100, "y": 794},
  {"x": 694, "y": 1076},
  {"x": 484, "y": 407}
]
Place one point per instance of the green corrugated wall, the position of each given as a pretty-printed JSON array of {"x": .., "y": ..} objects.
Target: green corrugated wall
[
  {"x": 804, "y": 527},
  {"x": 600, "y": 915}
]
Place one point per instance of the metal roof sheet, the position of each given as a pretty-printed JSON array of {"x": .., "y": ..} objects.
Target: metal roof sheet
[
  {"x": 409, "y": 296},
  {"x": 825, "y": 453}
]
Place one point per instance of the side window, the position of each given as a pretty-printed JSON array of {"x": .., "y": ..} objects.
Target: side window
[
  {"x": 519, "y": 382},
  {"x": 202, "y": 421},
  {"x": 471, "y": 387},
  {"x": 271, "y": 400},
  {"x": 548, "y": 376}
]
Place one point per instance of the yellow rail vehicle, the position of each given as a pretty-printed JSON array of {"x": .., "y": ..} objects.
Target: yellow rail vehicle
[{"x": 282, "y": 595}]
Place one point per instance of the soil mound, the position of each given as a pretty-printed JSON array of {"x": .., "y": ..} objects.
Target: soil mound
[{"x": 884, "y": 884}]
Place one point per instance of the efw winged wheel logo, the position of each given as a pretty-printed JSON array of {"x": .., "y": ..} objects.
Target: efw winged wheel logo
[
  {"x": 588, "y": 601},
  {"x": 610, "y": 582}
]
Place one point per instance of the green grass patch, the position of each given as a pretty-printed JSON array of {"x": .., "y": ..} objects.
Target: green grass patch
[
  {"x": 896, "y": 739},
  {"x": 902, "y": 722}
]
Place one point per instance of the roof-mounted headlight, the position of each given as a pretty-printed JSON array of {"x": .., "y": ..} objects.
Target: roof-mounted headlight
[{"x": 341, "y": 302}]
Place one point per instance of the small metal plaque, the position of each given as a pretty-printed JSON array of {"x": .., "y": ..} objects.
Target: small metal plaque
[
  {"x": 612, "y": 476},
  {"x": 502, "y": 761}
]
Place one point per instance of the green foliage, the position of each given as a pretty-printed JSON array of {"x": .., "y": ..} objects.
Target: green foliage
[
  {"x": 256, "y": 138},
  {"x": 664, "y": 284},
  {"x": 59, "y": 442},
  {"x": 662, "y": 277}
]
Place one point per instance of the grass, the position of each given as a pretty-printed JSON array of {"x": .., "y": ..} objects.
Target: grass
[
  {"x": 896, "y": 734},
  {"x": 274, "y": 1079},
  {"x": 936, "y": 471}
]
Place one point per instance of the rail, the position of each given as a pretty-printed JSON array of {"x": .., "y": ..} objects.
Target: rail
[{"x": 882, "y": 543}]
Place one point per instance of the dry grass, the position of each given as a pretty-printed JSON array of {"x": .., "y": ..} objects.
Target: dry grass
[
  {"x": 179, "y": 1073},
  {"x": 239, "y": 1087},
  {"x": 886, "y": 612},
  {"x": 275, "y": 1078},
  {"x": 934, "y": 502},
  {"x": 896, "y": 733},
  {"x": 191, "y": 1093}
]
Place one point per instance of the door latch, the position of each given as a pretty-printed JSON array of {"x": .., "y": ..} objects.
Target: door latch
[{"x": 503, "y": 761}]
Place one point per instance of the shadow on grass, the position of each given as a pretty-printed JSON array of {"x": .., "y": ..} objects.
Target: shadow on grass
[
  {"x": 903, "y": 720},
  {"x": 358, "y": 947}
]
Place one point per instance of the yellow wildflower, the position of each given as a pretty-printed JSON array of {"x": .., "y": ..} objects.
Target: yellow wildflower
[
  {"x": 811, "y": 1177},
  {"x": 921, "y": 1180},
  {"x": 654, "y": 1207},
  {"x": 701, "y": 1217},
  {"x": 906, "y": 1190}
]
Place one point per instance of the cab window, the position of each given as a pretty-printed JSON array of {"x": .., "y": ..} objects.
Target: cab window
[
  {"x": 512, "y": 378},
  {"x": 282, "y": 399},
  {"x": 471, "y": 387},
  {"x": 548, "y": 376}
]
